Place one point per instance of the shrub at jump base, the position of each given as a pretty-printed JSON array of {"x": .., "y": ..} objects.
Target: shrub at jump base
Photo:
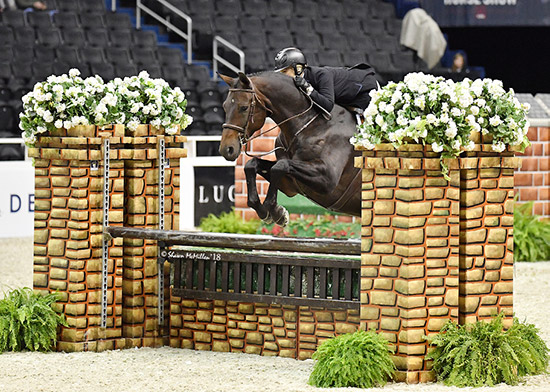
[
  {"x": 483, "y": 354},
  {"x": 28, "y": 322},
  {"x": 361, "y": 359},
  {"x": 228, "y": 222},
  {"x": 531, "y": 235}
]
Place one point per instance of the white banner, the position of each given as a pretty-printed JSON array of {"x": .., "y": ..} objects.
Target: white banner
[{"x": 16, "y": 199}]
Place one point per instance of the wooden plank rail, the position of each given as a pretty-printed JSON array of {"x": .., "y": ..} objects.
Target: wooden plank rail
[
  {"x": 258, "y": 268},
  {"x": 269, "y": 277},
  {"x": 241, "y": 241}
]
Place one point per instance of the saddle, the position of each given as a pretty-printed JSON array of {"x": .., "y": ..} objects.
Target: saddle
[{"x": 358, "y": 112}]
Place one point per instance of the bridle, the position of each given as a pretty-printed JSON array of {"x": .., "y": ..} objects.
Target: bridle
[
  {"x": 251, "y": 109},
  {"x": 243, "y": 131}
]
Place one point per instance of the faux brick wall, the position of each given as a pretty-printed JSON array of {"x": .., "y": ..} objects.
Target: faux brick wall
[
  {"x": 433, "y": 250},
  {"x": 255, "y": 328},
  {"x": 69, "y": 232},
  {"x": 533, "y": 179}
]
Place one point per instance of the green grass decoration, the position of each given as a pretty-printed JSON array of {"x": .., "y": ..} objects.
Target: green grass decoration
[
  {"x": 361, "y": 359},
  {"x": 28, "y": 322},
  {"x": 531, "y": 235},
  {"x": 483, "y": 354},
  {"x": 228, "y": 222}
]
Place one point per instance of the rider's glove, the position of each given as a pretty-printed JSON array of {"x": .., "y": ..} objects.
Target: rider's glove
[{"x": 302, "y": 84}]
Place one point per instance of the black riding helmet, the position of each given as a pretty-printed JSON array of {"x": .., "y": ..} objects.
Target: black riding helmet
[{"x": 289, "y": 57}]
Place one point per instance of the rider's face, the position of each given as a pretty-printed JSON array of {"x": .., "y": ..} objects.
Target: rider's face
[{"x": 289, "y": 71}]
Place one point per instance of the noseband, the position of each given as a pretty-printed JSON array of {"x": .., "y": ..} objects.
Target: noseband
[{"x": 244, "y": 138}]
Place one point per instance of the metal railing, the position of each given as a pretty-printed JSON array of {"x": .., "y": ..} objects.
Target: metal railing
[
  {"x": 217, "y": 58},
  {"x": 186, "y": 36}
]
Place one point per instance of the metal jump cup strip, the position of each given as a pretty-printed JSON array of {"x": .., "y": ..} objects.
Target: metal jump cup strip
[
  {"x": 105, "y": 245},
  {"x": 161, "y": 167}
]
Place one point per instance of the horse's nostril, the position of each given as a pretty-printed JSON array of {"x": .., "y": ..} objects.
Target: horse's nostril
[{"x": 230, "y": 150}]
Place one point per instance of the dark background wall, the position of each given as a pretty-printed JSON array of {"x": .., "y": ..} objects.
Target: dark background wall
[{"x": 519, "y": 56}]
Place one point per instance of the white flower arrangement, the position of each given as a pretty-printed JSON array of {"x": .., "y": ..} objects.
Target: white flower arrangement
[
  {"x": 67, "y": 101},
  {"x": 443, "y": 114}
]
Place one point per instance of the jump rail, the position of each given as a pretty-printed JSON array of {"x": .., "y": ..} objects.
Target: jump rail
[
  {"x": 241, "y": 241},
  {"x": 258, "y": 268}
]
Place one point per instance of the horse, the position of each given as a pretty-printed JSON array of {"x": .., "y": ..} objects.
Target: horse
[{"x": 314, "y": 156}]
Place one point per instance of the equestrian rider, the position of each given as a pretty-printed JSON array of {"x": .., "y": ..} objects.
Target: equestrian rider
[{"x": 348, "y": 87}]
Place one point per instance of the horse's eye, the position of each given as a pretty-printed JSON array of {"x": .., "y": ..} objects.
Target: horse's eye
[{"x": 243, "y": 108}]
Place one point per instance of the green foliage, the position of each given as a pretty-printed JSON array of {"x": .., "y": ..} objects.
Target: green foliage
[
  {"x": 483, "y": 354},
  {"x": 323, "y": 227},
  {"x": 361, "y": 359},
  {"x": 228, "y": 222},
  {"x": 28, "y": 322},
  {"x": 531, "y": 235}
]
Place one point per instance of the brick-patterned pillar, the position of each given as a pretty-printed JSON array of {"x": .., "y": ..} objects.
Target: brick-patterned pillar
[
  {"x": 410, "y": 229},
  {"x": 140, "y": 283},
  {"x": 433, "y": 249},
  {"x": 69, "y": 229},
  {"x": 68, "y": 234},
  {"x": 486, "y": 242}
]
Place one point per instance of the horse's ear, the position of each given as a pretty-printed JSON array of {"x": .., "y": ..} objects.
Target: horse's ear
[
  {"x": 244, "y": 79},
  {"x": 227, "y": 79}
]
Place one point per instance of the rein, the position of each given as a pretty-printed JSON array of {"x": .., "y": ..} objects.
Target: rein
[{"x": 243, "y": 139}]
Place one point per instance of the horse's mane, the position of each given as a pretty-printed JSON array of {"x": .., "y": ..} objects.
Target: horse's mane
[
  {"x": 270, "y": 75},
  {"x": 275, "y": 77},
  {"x": 263, "y": 73}
]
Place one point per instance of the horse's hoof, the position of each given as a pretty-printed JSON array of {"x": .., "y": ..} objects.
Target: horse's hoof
[
  {"x": 268, "y": 220},
  {"x": 284, "y": 218}
]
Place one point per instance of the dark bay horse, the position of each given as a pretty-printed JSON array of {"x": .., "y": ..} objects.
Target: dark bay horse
[{"x": 314, "y": 155}]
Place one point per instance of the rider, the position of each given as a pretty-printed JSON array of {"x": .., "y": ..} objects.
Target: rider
[{"x": 326, "y": 86}]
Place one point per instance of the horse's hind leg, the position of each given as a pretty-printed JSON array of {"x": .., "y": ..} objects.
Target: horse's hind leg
[{"x": 251, "y": 168}]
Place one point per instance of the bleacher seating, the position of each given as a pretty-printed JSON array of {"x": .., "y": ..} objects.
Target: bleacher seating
[
  {"x": 87, "y": 35},
  {"x": 318, "y": 27},
  {"x": 84, "y": 34}
]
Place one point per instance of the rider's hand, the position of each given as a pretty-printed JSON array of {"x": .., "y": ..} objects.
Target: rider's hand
[{"x": 301, "y": 83}]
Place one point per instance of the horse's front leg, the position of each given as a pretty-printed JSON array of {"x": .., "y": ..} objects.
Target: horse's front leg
[
  {"x": 251, "y": 168},
  {"x": 314, "y": 175},
  {"x": 278, "y": 213}
]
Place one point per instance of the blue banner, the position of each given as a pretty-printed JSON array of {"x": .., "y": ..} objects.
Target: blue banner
[{"x": 459, "y": 13}]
